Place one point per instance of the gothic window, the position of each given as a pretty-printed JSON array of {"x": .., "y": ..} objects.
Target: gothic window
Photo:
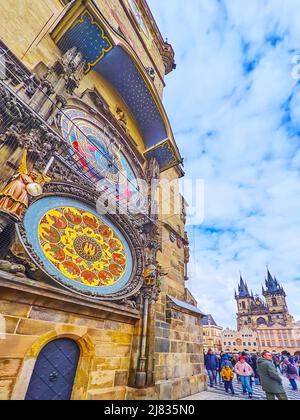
[
  {"x": 243, "y": 305},
  {"x": 261, "y": 321},
  {"x": 138, "y": 16},
  {"x": 274, "y": 301}
]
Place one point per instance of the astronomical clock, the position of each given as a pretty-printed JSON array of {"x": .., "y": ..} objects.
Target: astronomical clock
[{"x": 92, "y": 254}]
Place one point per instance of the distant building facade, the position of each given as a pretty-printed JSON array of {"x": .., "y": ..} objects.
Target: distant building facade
[
  {"x": 254, "y": 311},
  {"x": 278, "y": 338},
  {"x": 245, "y": 339},
  {"x": 212, "y": 334},
  {"x": 263, "y": 324}
]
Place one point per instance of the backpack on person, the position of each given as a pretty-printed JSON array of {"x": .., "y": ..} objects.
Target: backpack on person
[{"x": 291, "y": 370}]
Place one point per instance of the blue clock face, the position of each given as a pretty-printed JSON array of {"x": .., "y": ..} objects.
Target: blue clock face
[
  {"x": 99, "y": 157},
  {"x": 77, "y": 247}
]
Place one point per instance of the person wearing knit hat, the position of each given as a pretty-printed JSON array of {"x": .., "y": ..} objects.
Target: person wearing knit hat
[
  {"x": 245, "y": 371},
  {"x": 227, "y": 376}
]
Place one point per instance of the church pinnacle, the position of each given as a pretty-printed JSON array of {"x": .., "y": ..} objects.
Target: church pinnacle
[
  {"x": 243, "y": 291},
  {"x": 272, "y": 284}
]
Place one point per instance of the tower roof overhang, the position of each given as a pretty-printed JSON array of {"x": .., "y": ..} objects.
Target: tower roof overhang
[{"x": 108, "y": 53}]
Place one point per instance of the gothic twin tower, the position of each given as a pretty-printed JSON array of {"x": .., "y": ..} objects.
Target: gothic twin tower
[{"x": 254, "y": 311}]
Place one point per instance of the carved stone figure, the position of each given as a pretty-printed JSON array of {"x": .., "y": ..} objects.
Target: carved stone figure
[
  {"x": 69, "y": 56},
  {"x": 14, "y": 198},
  {"x": 121, "y": 117},
  {"x": 153, "y": 170},
  {"x": 186, "y": 248},
  {"x": 13, "y": 268}
]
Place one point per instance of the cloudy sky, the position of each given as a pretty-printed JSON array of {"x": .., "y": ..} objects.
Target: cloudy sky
[{"x": 234, "y": 103}]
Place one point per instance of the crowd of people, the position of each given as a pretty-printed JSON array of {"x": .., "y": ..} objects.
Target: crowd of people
[{"x": 264, "y": 369}]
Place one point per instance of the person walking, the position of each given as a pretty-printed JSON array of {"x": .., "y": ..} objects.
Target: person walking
[
  {"x": 253, "y": 364},
  {"x": 270, "y": 379},
  {"x": 219, "y": 368},
  {"x": 245, "y": 371},
  {"x": 211, "y": 365},
  {"x": 298, "y": 365},
  {"x": 276, "y": 361},
  {"x": 290, "y": 370},
  {"x": 227, "y": 376}
]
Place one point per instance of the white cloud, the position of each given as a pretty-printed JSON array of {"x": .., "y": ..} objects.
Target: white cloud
[{"x": 240, "y": 132}]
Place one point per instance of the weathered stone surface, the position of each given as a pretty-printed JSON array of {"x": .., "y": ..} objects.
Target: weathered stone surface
[
  {"x": 118, "y": 326},
  {"x": 125, "y": 362},
  {"x": 34, "y": 327},
  {"x": 185, "y": 356},
  {"x": 9, "y": 368},
  {"x": 107, "y": 363},
  {"x": 103, "y": 379},
  {"x": 186, "y": 387},
  {"x": 121, "y": 378},
  {"x": 105, "y": 336},
  {"x": 174, "y": 347},
  {"x": 90, "y": 323},
  {"x": 45, "y": 314},
  {"x": 162, "y": 345},
  {"x": 190, "y": 348},
  {"x": 164, "y": 390},
  {"x": 176, "y": 390},
  {"x": 181, "y": 347},
  {"x": 160, "y": 373},
  {"x": 11, "y": 324},
  {"x": 16, "y": 346},
  {"x": 195, "y": 358},
  {"x": 142, "y": 394},
  {"x": 14, "y": 309},
  {"x": 117, "y": 350},
  {"x": 118, "y": 393},
  {"x": 6, "y": 388},
  {"x": 196, "y": 369}
]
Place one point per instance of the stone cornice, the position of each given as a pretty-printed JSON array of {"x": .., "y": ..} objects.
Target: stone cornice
[{"x": 32, "y": 292}]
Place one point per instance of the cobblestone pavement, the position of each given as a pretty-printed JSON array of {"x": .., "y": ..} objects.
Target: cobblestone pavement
[{"x": 218, "y": 393}]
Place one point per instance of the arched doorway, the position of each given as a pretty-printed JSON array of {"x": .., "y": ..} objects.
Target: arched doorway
[{"x": 54, "y": 372}]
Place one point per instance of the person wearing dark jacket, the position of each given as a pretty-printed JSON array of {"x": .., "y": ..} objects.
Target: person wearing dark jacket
[
  {"x": 270, "y": 380},
  {"x": 212, "y": 365}
]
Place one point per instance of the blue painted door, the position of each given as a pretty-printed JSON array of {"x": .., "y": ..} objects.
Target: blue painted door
[{"x": 54, "y": 373}]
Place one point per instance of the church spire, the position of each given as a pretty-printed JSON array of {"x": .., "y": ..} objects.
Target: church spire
[
  {"x": 243, "y": 291},
  {"x": 272, "y": 284}
]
